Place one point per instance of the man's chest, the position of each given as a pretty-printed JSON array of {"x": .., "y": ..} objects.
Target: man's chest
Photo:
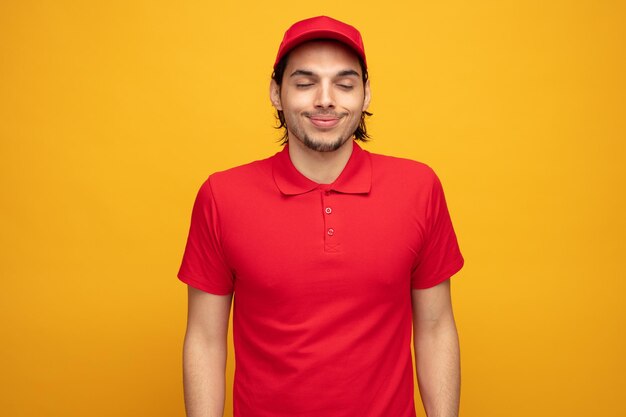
[{"x": 322, "y": 242}]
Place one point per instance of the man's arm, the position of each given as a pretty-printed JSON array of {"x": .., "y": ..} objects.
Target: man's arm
[
  {"x": 436, "y": 351},
  {"x": 204, "y": 353}
]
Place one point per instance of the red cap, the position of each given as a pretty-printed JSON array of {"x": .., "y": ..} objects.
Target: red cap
[{"x": 321, "y": 27}]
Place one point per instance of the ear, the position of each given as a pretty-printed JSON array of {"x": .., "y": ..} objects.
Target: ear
[
  {"x": 368, "y": 95},
  {"x": 275, "y": 95}
]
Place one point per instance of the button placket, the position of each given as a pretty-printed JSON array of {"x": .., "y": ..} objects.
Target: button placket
[{"x": 330, "y": 230}]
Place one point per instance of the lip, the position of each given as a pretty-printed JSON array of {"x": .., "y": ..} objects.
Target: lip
[{"x": 324, "y": 121}]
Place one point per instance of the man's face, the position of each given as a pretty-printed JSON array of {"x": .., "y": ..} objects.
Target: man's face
[{"x": 322, "y": 95}]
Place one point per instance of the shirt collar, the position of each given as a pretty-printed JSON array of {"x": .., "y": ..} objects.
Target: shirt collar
[{"x": 356, "y": 177}]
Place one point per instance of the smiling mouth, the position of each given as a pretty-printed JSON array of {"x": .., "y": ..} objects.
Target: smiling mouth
[{"x": 324, "y": 121}]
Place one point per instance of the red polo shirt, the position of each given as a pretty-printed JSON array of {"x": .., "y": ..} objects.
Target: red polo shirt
[{"x": 322, "y": 277}]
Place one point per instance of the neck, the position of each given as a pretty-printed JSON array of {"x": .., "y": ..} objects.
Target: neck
[{"x": 320, "y": 167}]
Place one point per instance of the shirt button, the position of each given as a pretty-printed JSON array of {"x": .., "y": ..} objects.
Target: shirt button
[
  {"x": 328, "y": 210},
  {"x": 327, "y": 192},
  {"x": 331, "y": 231}
]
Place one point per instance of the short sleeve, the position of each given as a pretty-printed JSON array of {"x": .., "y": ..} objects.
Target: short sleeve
[
  {"x": 203, "y": 266},
  {"x": 439, "y": 257}
]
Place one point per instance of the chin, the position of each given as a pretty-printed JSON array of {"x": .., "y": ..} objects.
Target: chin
[{"x": 324, "y": 146}]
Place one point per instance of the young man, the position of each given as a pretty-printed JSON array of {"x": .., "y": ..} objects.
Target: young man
[{"x": 336, "y": 257}]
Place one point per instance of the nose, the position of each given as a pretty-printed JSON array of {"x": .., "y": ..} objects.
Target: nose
[{"x": 324, "y": 98}]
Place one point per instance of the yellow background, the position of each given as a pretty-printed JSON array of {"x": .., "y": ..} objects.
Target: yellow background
[{"x": 113, "y": 113}]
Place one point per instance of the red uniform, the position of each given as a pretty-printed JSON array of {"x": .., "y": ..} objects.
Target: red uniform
[{"x": 322, "y": 278}]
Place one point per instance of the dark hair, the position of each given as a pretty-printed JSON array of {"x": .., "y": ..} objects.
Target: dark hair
[{"x": 361, "y": 131}]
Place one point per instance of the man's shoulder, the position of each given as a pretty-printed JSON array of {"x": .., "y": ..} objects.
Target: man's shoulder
[
  {"x": 400, "y": 167},
  {"x": 242, "y": 177},
  {"x": 248, "y": 169}
]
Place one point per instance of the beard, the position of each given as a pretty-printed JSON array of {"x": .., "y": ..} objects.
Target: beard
[{"x": 321, "y": 145}]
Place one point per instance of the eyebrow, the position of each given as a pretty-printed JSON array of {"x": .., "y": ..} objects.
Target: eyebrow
[
  {"x": 346, "y": 73},
  {"x": 307, "y": 73},
  {"x": 302, "y": 72}
]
